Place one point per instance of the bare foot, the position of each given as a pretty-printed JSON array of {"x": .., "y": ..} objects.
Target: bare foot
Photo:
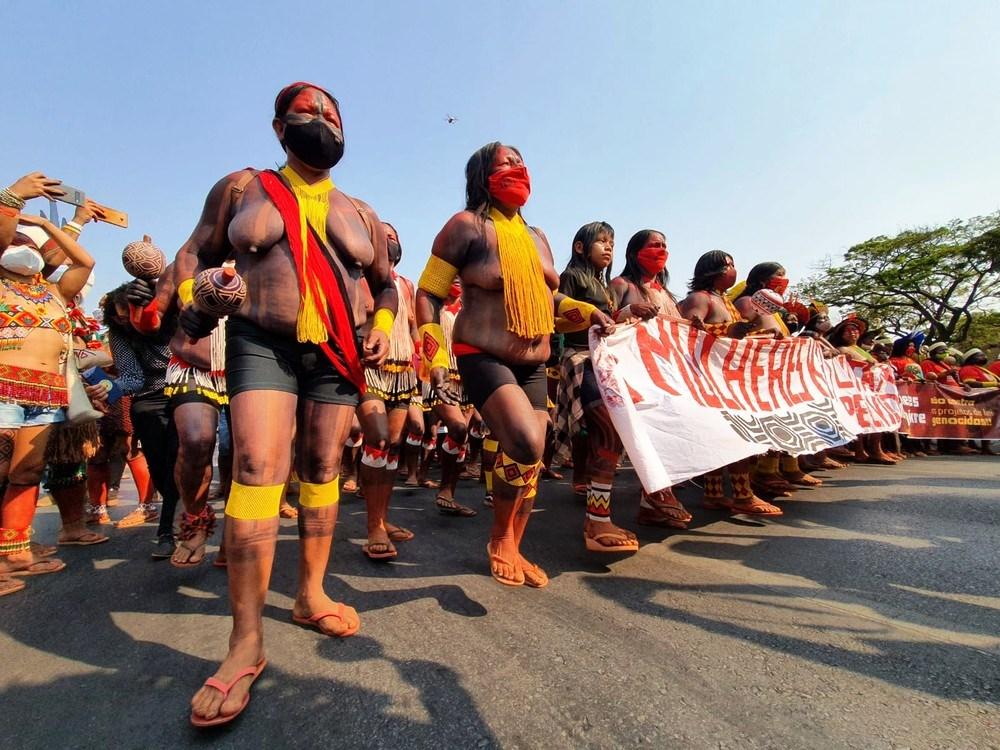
[
  {"x": 42, "y": 550},
  {"x": 79, "y": 536},
  {"x": 379, "y": 546},
  {"x": 606, "y": 535},
  {"x": 397, "y": 533},
  {"x": 208, "y": 703},
  {"x": 190, "y": 552},
  {"x": 342, "y": 620},
  {"x": 505, "y": 562},
  {"x": 533, "y": 575}
]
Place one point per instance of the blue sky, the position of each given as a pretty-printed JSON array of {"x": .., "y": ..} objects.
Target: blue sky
[{"x": 777, "y": 131}]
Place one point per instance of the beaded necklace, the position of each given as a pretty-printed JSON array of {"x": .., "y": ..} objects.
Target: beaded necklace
[{"x": 36, "y": 291}]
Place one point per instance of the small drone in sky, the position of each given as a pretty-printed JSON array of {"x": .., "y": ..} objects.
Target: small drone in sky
[{"x": 451, "y": 119}]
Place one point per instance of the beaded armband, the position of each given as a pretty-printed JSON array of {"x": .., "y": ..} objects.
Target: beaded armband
[{"x": 437, "y": 277}]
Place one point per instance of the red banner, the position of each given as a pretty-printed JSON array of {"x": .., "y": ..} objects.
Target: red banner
[{"x": 944, "y": 412}]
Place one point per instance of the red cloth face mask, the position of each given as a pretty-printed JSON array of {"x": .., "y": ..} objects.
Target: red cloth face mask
[
  {"x": 778, "y": 284},
  {"x": 455, "y": 291},
  {"x": 511, "y": 186},
  {"x": 652, "y": 259}
]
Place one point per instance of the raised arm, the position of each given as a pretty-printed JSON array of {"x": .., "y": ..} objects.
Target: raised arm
[{"x": 80, "y": 262}]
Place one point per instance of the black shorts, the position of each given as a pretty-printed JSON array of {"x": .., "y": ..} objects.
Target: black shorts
[
  {"x": 482, "y": 374},
  {"x": 258, "y": 360}
]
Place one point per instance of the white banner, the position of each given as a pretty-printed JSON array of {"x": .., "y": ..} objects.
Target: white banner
[{"x": 685, "y": 402}]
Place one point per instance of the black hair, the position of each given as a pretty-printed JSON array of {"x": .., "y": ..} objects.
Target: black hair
[
  {"x": 579, "y": 263},
  {"x": 709, "y": 265},
  {"x": 813, "y": 320},
  {"x": 759, "y": 276},
  {"x": 899, "y": 346},
  {"x": 633, "y": 273},
  {"x": 477, "y": 178},
  {"x": 836, "y": 335},
  {"x": 109, "y": 306}
]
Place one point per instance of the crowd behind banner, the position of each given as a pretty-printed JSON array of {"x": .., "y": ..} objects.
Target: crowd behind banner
[{"x": 281, "y": 338}]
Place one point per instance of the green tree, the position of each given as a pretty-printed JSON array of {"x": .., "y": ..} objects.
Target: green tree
[{"x": 930, "y": 279}]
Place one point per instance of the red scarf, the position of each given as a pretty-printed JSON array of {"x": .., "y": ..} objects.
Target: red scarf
[{"x": 319, "y": 274}]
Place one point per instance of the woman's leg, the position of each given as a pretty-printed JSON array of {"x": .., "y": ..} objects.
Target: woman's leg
[
  {"x": 155, "y": 431},
  {"x": 197, "y": 425},
  {"x": 17, "y": 510},
  {"x": 605, "y": 448},
  {"x": 261, "y": 461},
  {"x": 376, "y": 478},
  {"x": 452, "y": 453},
  {"x": 322, "y": 430},
  {"x": 520, "y": 430}
]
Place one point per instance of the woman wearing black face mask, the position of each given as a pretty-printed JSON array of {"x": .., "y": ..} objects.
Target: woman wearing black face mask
[{"x": 292, "y": 361}]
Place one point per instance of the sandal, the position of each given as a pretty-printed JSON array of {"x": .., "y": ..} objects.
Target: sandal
[
  {"x": 803, "y": 479},
  {"x": 451, "y": 508},
  {"x": 313, "y": 621},
  {"x": 41, "y": 551},
  {"x": 771, "y": 484},
  {"x": 429, "y": 484},
  {"x": 225, "y": 688},
  {"x": 666, "y": 513},
  {"x": 534, "y": 577},
  {"x": 97, "y": 515},
  {"x": 754, "y": 506},
  {"x": 36, "y": 568},
  {"x": 84, "y": 540},
  {"x": 144, "y": 513},
  {"x": 593, "y": 543},
  {"x": 350, "y": 485},
  {"x": 387, "y": 553},
  {"x": 488, "y": 499},
  {"x": 191, "y": 526},
  {"x": 10, "y": 585},
  {"x": 496, "y": 560},
  {"x": 398, "y": 533},
  {"x": 288, "y": 511}
]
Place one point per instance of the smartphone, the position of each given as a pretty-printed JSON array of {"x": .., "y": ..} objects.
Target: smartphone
[
  {"x": 111, "y": 216},
  {"x": 72, "y": 195}
]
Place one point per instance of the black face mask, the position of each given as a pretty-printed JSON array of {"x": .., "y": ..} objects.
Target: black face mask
[
  {"x": 316, "y": 143},
  {"x": 395, "y": 252}
]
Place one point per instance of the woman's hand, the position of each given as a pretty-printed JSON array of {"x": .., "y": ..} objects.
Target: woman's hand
[
  {"x": 442, "y": 386},
  {"x": 90, "y": 211},
  {"x": 37, "y": 184},
  {"x": 605, "y": 325}
]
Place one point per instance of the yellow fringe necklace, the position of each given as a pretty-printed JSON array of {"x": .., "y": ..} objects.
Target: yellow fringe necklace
[{"x": 527, "y": 298}]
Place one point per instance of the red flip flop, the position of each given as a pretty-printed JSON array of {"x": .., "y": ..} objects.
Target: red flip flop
[
  {"x": 313, "y": 621},
  {"x": 225, "y": 688}
]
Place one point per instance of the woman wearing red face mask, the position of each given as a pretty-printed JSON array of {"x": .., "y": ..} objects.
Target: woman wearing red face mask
[
  {"x": 501, "y": 336},
  {"x": 775, "y": 473},
  {"x": 641, "y": 292}
]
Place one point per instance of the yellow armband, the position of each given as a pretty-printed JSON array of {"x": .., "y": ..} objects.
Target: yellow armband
[
  {"x": 433, "y": 351},
  {"x": 574, "y": 315},
  {"x": 437, "y": 277},
  {"x": 185, "y": 292},
  {"x": 384, "y": 321}
]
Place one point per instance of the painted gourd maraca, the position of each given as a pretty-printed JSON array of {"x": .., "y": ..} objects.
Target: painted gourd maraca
[
  {"x": 219, "y": 291},
  {"x": 143, "y": 260},
  {"x": 766, "y": 301}
]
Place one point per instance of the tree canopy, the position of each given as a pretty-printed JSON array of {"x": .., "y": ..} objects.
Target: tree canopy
[{"x": 932, "y": 279}]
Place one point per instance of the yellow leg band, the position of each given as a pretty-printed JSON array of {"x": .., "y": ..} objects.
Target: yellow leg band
[
  {"x": 513, "y": 473},
  {"x": 437, "y": 277},
  {"x": 319, "y": 495},
  {"x": 254, "y": 503},
  {"x": 489, "y": 481},
  {"x": 491, "y": 445}
]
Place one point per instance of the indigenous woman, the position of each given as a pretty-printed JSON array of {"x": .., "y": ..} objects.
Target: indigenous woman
[
  {"x": 194, "y": 394},
  {"x": 775, "y": 473},
  {"x": 845, "y": 336},
  {"x": 35, "y": 346},
  {"x": 382, "y": 414},
  {"x": 974, "y": 372},
  {"x": 639, "y": 293},
  {"x": 708, "y": 304},
  {"x": 501, "y": 336},
  {"x": 141, "y": 362},
  {"x": 294, "y": 368},
  {"x": 904, "y": 357},
  {"x": 935, "y": 369},
  {"x": 454, "y": 416},
  {"x": 587, "y": 278}
]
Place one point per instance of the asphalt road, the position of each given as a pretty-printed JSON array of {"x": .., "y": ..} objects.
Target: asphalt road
[{"x": 867, "y": 617}]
